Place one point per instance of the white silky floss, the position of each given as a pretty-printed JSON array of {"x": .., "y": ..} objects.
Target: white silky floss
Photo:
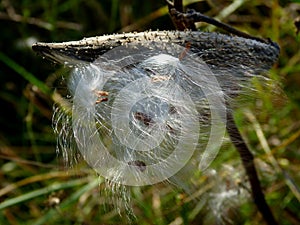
[{"x": 138, "y": 113}]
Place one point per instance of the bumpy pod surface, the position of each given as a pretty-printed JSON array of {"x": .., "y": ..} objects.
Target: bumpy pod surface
[{"x": 217, "y": 50}]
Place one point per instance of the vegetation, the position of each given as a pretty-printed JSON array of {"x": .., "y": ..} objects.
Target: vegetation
[{"x": 37, "y": 188}]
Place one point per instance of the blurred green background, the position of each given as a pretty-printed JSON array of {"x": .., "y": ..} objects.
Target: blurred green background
[{"x": 35, "y": 188}]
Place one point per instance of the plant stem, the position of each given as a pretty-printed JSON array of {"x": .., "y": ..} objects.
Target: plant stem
[
  {"x": 183, "y": 21},
  {"x": 248, "y": 163}
]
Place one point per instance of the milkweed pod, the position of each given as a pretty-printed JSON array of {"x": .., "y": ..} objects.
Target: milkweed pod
[{"x": 156, "y": 98}]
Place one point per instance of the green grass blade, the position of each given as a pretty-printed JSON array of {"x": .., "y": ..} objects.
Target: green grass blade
[
  {"x": 74, "y": 197},
  {"x": 39, "y": 192}
]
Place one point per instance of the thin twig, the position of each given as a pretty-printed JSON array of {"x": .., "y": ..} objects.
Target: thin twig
[
  {"x": 248, "y": 163},
  {"x": 183, "y": 21},
  {"x": 192, "y": 17},
  {"x": 179, "y": 24}
]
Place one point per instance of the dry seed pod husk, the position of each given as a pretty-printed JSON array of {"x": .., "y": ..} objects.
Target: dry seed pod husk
[
  {"x": 217, "y": 50},
  {"x": 232, "y": 59}
]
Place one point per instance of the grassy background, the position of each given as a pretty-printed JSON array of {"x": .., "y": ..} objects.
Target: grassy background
[{"x": 36, "y": 189}]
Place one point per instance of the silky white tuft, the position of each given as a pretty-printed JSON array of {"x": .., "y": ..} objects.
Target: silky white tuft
[{"x": 142, "y": 113}]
